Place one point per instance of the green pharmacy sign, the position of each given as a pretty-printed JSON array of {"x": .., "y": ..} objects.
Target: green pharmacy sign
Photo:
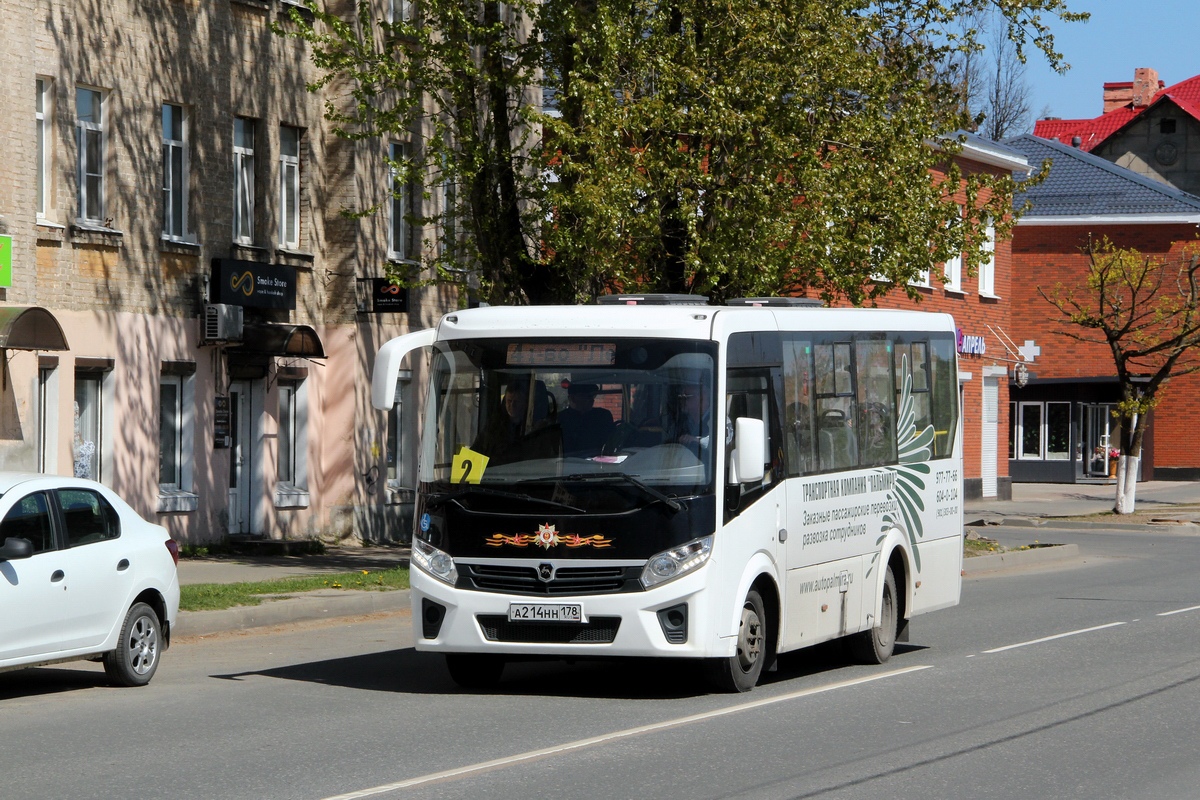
[{"x": 5, "y": 261}]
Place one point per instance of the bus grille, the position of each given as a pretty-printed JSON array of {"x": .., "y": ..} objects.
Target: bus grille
[
  {"x": 567, "y": 580},
  {"x": 597, "y": 630}
]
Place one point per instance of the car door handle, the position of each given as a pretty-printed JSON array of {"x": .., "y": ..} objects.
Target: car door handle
[
  {"x": 123, "y": 565},
  {"x": 57, "y": 576}
]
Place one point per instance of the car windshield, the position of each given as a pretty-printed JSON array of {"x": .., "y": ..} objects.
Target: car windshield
[{"x": 587, "y": 413}]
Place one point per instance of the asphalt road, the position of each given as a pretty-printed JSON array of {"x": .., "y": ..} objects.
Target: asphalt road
[{"x": 1064, "y": 680}]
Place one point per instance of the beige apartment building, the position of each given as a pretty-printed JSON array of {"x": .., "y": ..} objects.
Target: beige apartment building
[{"x": 185, "y": 313}]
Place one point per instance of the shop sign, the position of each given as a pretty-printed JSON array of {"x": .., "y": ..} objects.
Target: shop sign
[
  {"x": 971, "y": 345},
  {"x": 5, "y": 260},
  {"x": 222, "y": 428},
  {"x": 253, "y": 284},
  {"x": 387, "y": 297}
]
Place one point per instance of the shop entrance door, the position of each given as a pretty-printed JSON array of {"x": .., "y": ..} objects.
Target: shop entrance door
[
  {"x": 1100, "y": 436},
  {"x": 240, "y": 457}
]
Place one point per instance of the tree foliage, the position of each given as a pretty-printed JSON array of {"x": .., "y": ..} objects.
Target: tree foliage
[
  {"x": 708, "y": 146},
  {"x": 1146, "y": 311}
]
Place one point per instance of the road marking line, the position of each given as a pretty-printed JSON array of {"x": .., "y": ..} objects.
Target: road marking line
[
  {"x": 616, "y": 735},
  {"x": 1179, "y": 611},
  {"x": 1052, "y": 638}
]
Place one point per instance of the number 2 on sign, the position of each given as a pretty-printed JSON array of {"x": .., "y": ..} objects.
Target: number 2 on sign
[{"x": 467, "y": 466}]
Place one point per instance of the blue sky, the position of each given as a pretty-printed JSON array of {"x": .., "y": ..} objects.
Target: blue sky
[{"x": 1121, "y": 36}]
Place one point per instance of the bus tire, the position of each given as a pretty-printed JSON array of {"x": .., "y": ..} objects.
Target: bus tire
[
  {"x": 741, "y": 671},
  {"x": 475, "y": 670},
  {"x": 875, "y": 646}
]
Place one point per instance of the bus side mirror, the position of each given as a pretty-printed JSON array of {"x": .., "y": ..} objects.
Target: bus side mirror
[{"x": 749, "y": 452}]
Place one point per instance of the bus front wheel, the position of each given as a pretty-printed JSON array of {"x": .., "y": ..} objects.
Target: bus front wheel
[
  {"x": 474, "y": 670},
  {"x": 741, "y": 671},
  {"x": 876, "y": 645}
]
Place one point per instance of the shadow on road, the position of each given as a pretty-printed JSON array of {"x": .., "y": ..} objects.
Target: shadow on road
[{"x": 407, "y": 671}]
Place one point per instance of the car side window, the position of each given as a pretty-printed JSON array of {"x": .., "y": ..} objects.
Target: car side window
[
  {"x": 88, "y": 517},
  {"x": 29, "y": 519}
]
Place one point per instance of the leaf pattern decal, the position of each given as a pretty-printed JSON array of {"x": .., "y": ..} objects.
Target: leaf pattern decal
[{"x": 914, "y": 449}]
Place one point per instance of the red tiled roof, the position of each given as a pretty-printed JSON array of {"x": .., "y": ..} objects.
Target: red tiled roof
[{"x": 1093, "y": 132}]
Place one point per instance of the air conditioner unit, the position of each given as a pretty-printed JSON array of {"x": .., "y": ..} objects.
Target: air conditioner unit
[{"x": 222, "y": 323}]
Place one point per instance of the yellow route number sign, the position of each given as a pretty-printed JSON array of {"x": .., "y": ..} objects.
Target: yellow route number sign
[{"x": 467, "y": 466}]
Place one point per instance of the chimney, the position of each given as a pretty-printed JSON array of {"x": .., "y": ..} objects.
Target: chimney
[
  {"x": 1145, "y": 85},
  {"x": 1117, "y": 95}
]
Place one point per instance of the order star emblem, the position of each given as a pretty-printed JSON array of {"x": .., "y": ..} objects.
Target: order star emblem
[{"x": 546, "y": 536}]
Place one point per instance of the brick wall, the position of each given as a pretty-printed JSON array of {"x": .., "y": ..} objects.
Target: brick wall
[{"x": 1048, "y": 256}]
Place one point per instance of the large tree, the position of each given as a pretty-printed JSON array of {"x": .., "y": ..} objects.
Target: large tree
[
  {"x": 722, "y": 148},
  {"x": 1146, "y": 311}
]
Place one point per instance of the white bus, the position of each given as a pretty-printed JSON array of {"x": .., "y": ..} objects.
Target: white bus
[{"x": 670, "y": 478}]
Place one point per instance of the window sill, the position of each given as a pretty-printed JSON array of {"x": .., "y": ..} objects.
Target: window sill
[
  {"x": 174, "y": 501},
  {"x": 83, "y": 232},
  {"x": 294, "y": 258},
  {"x": 181, "y": 246},
  {"x": 50, "y": 231},
  {"x": 956, "y": 292},
  {"x": 290, "y": 497},
  {"x": 260, "y": 4},
  {"x": 399, "y": 495},
  {"x": 987, "y": 296}
]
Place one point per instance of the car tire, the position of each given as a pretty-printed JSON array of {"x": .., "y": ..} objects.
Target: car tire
[
  {"x": 135, "y": 660},
  {"x": 875, "y": 646},
  {"x": 741, "y": 671}
]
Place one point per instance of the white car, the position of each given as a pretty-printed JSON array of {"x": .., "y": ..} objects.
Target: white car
[{"x": 82, "y": 576}]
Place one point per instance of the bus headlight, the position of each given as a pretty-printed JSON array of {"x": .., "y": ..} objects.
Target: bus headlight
[
  {"x": 438, "y": 564},
  {"x": 671, "y": 564}
]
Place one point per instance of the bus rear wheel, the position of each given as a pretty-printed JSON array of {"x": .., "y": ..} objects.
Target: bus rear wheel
[
  {"x": 741, "y": 671},
  {"x": 876, "y": 645},
  {"x": 475, "y": 670}
]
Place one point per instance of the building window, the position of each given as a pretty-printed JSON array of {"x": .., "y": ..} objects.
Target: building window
[
  {"x": 170, "y": 432},
  {"x": 291, "y": 477},
  {"x": 399, "y": 233},
  {"x": 953, "y": 269},
  {"x": 174, "y": 172},
  {"x": 243, "y": 181},
  {"x": 399, "y": 11},
  {"x": 1043, "y": 431},
  {"x": 449, "y": 237},
  {"x": 289, "y": 187},
  {"x": 1012, "y": 431},
  {"x": 87, "y": 442},
  {"x": 89, "y": 140},
  {"x": 987, "y": 267},
  {"x": 43, "y": 121},
  {"x": 1166, "y": 126}
]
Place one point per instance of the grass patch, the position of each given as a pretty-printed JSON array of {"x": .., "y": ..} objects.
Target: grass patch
[
  {"x": 214, "y": 596},
  {"x": 980, "y": 547}
]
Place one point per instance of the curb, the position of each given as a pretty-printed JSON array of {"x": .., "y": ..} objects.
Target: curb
[
  {"x": 1019, "y": 558},
  {"x": 323, "y": 604},
  {"x": 1066, "y": 523}
]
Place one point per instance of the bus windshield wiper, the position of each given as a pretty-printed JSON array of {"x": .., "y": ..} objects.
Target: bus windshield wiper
[
  {"x": 441, "y": 498},
  {"x": 625, "y": 477}
]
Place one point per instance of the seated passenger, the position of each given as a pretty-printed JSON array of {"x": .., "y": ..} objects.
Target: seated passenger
[
  {"x": 690, "y": 419},
  {"x": 585, "y": 428}
]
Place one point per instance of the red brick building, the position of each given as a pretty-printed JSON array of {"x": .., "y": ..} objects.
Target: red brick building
[{"x": 1062, "y": 428}]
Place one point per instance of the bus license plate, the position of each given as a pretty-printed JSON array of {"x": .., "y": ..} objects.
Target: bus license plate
[{"x": 546, "y": 612}]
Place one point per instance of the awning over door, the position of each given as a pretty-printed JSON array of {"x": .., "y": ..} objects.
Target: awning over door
[
  {"x": 30, "y": 328},
  {"x": 276, "y": 339}
]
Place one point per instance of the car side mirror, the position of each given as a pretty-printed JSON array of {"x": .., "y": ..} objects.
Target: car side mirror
[
  {"x": 749, "y": 455},
  {"x": 14, "y": 548}
]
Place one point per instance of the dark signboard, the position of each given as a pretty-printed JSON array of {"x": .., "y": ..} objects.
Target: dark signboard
[
  {"x": 222, "y": 430},
  {"x": 253, "y": 284},
  {"x": 386, "y": 297}
]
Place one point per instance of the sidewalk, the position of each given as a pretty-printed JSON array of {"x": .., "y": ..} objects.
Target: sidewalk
[{"x": 1158, "y": 504}]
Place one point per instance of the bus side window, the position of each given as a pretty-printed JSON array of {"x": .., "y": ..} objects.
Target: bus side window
[
  {"x": 837, "y": 442},
  {"x": 798, "y": 408},
  {"x": 876, "y": 421}
]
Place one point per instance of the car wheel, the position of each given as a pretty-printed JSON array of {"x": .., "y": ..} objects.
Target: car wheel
[
  {"x": 741, "y": 671},
  {"x": 475, "y": 670},
  {"x": 876, "y": 645},
  {"x": 135, "y": 660}
]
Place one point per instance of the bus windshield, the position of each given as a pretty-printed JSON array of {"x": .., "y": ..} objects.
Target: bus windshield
[{"x": 538, "y": 412}]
